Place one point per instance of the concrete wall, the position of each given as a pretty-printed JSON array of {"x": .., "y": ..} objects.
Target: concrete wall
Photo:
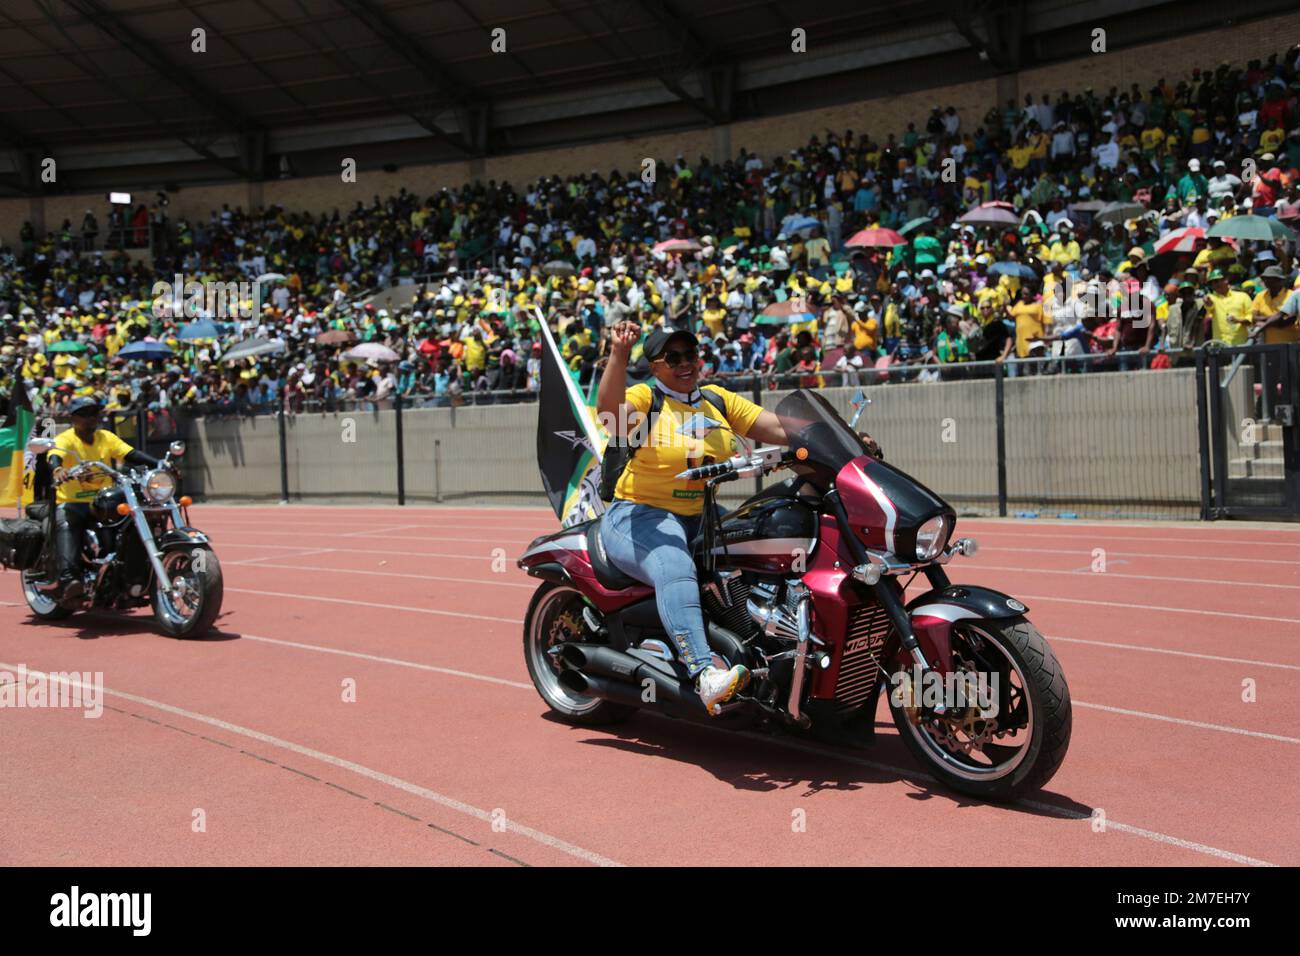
[
  {"x": 882, "y": 110},
  {"x": 1122, "y": 443}
]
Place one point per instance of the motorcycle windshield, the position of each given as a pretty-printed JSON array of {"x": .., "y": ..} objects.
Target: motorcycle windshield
[{"x": 811, "y": 423}]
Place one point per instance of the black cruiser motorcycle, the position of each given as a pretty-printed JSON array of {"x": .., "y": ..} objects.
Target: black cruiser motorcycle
[{"x": 141, "y": 550}]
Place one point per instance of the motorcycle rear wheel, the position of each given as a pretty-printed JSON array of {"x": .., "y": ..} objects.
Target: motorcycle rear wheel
[
  {"x": 43, "y": 605},
  {"x": 555, "y": 616},
  {"x": 1041, "y": 701}
]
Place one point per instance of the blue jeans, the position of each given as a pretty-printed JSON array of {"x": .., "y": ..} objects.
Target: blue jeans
[{"x": 653, "y": 546}]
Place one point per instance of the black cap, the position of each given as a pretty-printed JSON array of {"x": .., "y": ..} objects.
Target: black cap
[
  {"x": 84, "y": 403},
  {"x": 658, "y": 340}
]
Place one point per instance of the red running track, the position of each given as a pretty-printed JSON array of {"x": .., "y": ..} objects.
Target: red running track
[{"x": 241, "y": 749}]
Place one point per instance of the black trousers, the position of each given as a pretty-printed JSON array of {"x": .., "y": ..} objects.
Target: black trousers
[{"x": 71, "y": 521}]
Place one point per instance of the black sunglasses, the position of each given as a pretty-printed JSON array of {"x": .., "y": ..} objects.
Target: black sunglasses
[{"x": 673, "y": 359}]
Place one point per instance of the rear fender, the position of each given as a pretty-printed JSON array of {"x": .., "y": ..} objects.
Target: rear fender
[{"x": 561, "y": 557}]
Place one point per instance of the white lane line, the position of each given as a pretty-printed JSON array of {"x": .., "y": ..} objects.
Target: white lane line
[
  {"x": 1084, "y": 553},
  {"x": 1156, "y": 607},
  {"x": 271, "y": 557},
  {"x": 352, "y": 550},
  {"x": 430, "y": 537},
  {"x": 383, "y": 574},
  {"x": 370, "y": 531},
  {"x": 450, "y": 672},
  {"x": 1102, "y": 575},
  {"x": 1222, "y": 728},
  {"x": 386, "y": 607},
  {"x": 1140, "y": 832},
  {"x": 1165, "y": 650},
  {"x": 1152, "y": 538},
  {"x": 398, "y": 783}
]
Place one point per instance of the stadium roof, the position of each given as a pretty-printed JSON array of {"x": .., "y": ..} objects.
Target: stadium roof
[{"x": 108, "y": 84}]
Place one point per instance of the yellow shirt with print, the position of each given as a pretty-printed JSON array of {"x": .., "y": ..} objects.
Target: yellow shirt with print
[
  {"x": 106, "y": 447},
  {"x": 650, "y": 478}
]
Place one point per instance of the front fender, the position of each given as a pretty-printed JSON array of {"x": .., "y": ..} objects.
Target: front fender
[
  {"x": 934, "y": 613},
  {"x": 175, "y": 539}
]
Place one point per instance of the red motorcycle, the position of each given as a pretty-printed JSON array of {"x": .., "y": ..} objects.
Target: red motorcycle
[{"x": 804, "y": 584}]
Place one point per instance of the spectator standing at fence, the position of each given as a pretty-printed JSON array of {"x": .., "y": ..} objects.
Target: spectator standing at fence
[
  {"x": 1187, "y": 325},
  {"x": 1231, "y": 310},
  {"x": 1031, "y": 325}
]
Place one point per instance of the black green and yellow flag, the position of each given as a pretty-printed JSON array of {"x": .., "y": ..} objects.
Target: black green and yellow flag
[
  {"x": 14, "y": 433},
  {"x": 570, "y": 443}
]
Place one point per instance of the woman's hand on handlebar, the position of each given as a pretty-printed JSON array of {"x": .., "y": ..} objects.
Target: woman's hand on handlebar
[{"x": 61, "y": 475}]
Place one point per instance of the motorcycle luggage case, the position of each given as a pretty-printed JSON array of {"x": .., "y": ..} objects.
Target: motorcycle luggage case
[{"x": 20, "y": 543}]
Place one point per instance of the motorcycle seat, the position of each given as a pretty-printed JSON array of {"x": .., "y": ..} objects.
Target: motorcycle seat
[
  {"x": 38, "y": 510},
  {"x": 608, "y": 575}
]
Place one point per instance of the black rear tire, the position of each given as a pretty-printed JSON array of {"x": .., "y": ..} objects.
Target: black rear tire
[
  {"x": 1049, "y": 706},
  {"x": 549, "y": 601}
]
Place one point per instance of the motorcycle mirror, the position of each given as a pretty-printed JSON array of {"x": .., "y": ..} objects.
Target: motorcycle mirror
[
  {"x": 39, "y": 446},
  {"x": 176, "y": 449}
]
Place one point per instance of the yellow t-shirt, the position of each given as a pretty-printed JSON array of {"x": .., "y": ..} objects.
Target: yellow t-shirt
[
  {"x": 1030, "y": 324},
  {"x": 1223, "y": 309},
  {"x": 1266, "y": 305},
  {"x": 107, "y": 448},
  {"x": 650, "y": 478}
]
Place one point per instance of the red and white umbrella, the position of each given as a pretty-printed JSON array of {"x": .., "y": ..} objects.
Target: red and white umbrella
[
  {"x": 875, "y": 239},
  {"x": 1180, "y": 240},
  {"x": 677, "y": 245}
]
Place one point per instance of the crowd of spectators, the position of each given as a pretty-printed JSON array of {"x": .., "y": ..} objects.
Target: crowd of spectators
[{"x": 764, "y": 268}]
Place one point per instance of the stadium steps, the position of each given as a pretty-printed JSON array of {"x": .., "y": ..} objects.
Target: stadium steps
[{"x": 1261, "y": 458}]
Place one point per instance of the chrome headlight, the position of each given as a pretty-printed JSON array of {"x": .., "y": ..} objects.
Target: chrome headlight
[
  {"x": 931, "y": 538},
  {"x": 159, "y": 486}
]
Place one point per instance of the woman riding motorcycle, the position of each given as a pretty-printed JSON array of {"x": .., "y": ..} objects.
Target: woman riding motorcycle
[
  {"x": 648, "y": 528},
  {"x": 84, "y": 441}
]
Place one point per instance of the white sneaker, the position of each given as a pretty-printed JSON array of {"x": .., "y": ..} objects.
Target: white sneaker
[{"x": 716, "y": 686}]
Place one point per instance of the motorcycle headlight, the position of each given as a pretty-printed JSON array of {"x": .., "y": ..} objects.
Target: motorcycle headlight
[
  {"x": 931, "y": 538},
  {"x": 159, "y": 486}
]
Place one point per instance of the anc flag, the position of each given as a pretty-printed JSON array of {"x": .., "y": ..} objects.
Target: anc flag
[
  {"x": 14, "y": 433},
  {"x": 570, "y": 443}
]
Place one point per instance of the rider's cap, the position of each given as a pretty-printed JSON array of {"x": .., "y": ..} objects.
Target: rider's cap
[
  {"x": 83, "y": 404},
  {"x": 657, "y": 341}
]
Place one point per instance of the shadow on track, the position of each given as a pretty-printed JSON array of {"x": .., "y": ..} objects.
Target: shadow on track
[{"x": 761, "y": 762}]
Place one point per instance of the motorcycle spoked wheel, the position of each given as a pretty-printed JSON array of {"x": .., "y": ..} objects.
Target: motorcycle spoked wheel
[
  {"x": 190, "y": 610},
  {"x": 1025, "y": 748},
  {"x": 555, "y": 616}
]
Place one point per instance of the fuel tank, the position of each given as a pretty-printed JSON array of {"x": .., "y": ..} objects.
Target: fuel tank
[{"x": 769, "y": 532}]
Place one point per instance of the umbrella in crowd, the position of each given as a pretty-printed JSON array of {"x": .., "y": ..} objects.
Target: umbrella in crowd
[
  {"x": 336, "y": 337},
  {"x": 66, "y": 345},
  {"x": 989, "y": 216},
  {"x": 199, "y": 330},
  {"x": 1017, "y": 269},
  {"x": 875, "y": 239},
  {"x": 371, "y": 350},
  {"x": 1252, "y": 228},
  {"x": 1180, "y": 240},
  {"x": 1120, "y": 211},
  {"x": 251, "y": 348},
  {"x": 800, "y": 224},
  {"x": 677, "y": 245},
  {"x": 789, "y": 312},
  {"x": 558, "y": 267},
  {"x": 912, "y": 224},
  {"x": 147, "y": 351}
]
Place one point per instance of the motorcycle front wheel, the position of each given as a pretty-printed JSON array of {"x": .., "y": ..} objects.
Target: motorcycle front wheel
[
  {"x": 197, "y": 590},
  {"x": 1022, "y": 744}
]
